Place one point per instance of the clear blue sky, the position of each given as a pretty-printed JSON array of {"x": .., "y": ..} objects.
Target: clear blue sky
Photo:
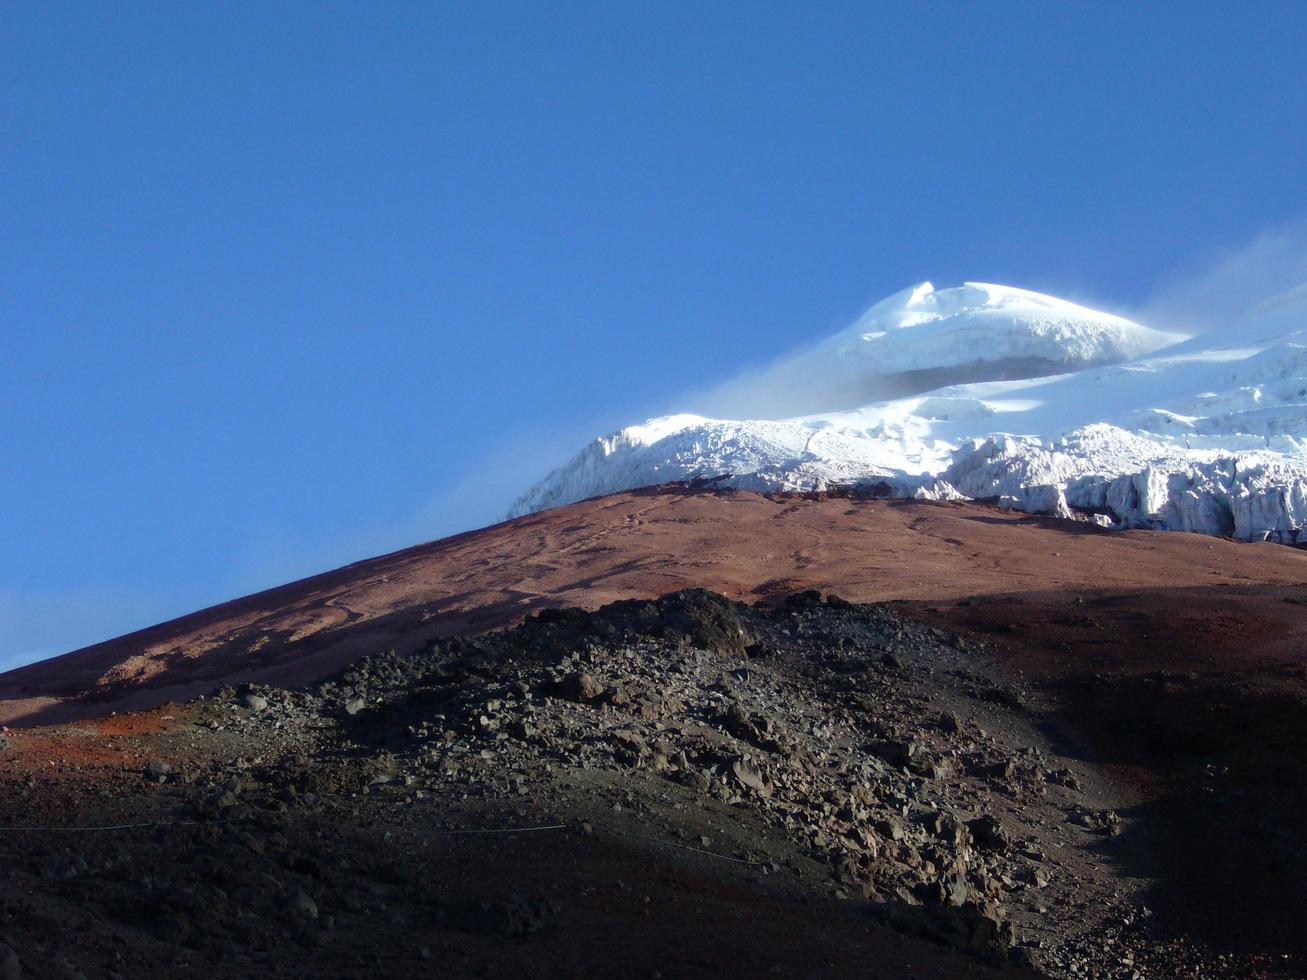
[{"x": 285, "y": 284}]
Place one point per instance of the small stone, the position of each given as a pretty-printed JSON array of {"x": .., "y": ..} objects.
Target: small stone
[
  {"x": 157, "y": 770},
  {"x": 631, "y": 742},
  {"x": 890, "y": 827},
  {"x": 301, "y": 906},
  {"x": 953, "y": 890},
  {"x": 578, "y": 686},
  {"x": 1006, "y": 769},
  {"x": 1100, "y": 821},
  {"x": 989, "y": 834},
  {"x": 354, "y": 707},
  {"x": 910, "y": 755},
  {"x": 1030, "y": 958},
  {"x": 1063, "y": 777},
  {"x": 256, "y": 702},
  {"x": 1030, "y": 850},
  {"x": 750, "y": 776}
]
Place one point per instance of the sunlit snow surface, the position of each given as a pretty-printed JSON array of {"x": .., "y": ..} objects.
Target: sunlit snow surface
[{"x": 1205, "y": 434}]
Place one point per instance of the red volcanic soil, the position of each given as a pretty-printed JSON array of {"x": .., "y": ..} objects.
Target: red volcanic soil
[{"x": 1189, "y": 600}]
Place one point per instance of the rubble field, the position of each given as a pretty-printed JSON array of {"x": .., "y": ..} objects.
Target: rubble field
[{"x": 689, "y": 786}]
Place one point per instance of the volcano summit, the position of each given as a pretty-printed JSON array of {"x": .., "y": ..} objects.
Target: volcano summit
[{"x": 994, "y": 393}]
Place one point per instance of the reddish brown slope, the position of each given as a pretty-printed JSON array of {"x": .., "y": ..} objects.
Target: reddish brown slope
[
  {"x": 942, "y": 556},
  {"x": 1177, "y": 662}
]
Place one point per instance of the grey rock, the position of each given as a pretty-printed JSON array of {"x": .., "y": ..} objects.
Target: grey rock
[
  {"x": 157, "y": 770},
  {"x": 1063, "y": 777},
  {"x": 1030, "y": 958},
  {"x": 1100, "y": 821},
  {"x": 750, "y": 776},
  {"x": 302, "y": 907},
  {"x": 989, "y": 834},
  {"x": 898, "y": 753},
  {"x": 578, "y": 686},
  {"x": 952, "y": 890},
  {"x": 757, "y": 729},
  {"x": 890, "y": 827}
]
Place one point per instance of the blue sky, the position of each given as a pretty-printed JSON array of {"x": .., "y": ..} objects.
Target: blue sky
[{"x": 284, "y": 285}]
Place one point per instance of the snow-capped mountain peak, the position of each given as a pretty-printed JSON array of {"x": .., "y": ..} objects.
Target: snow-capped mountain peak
[
  {"x": 979, "y": 302},
  {"x": 993, "y": 392},
  {"x": 923, "y": 327},
  {"x": 924, "y": 338}
]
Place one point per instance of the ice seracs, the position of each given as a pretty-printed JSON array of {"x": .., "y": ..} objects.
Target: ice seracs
[{"x": 1139, "y": 428}]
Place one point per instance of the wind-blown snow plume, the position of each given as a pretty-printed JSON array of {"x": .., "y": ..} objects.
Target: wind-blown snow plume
[{"x": 1229, "y": 286}]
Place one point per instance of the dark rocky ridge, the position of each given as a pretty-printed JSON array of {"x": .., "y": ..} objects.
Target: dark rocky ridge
[{"x": 688, "y": 785}]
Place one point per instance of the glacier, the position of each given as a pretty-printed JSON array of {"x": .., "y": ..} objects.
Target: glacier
[{"x": 994, "y": 393}]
